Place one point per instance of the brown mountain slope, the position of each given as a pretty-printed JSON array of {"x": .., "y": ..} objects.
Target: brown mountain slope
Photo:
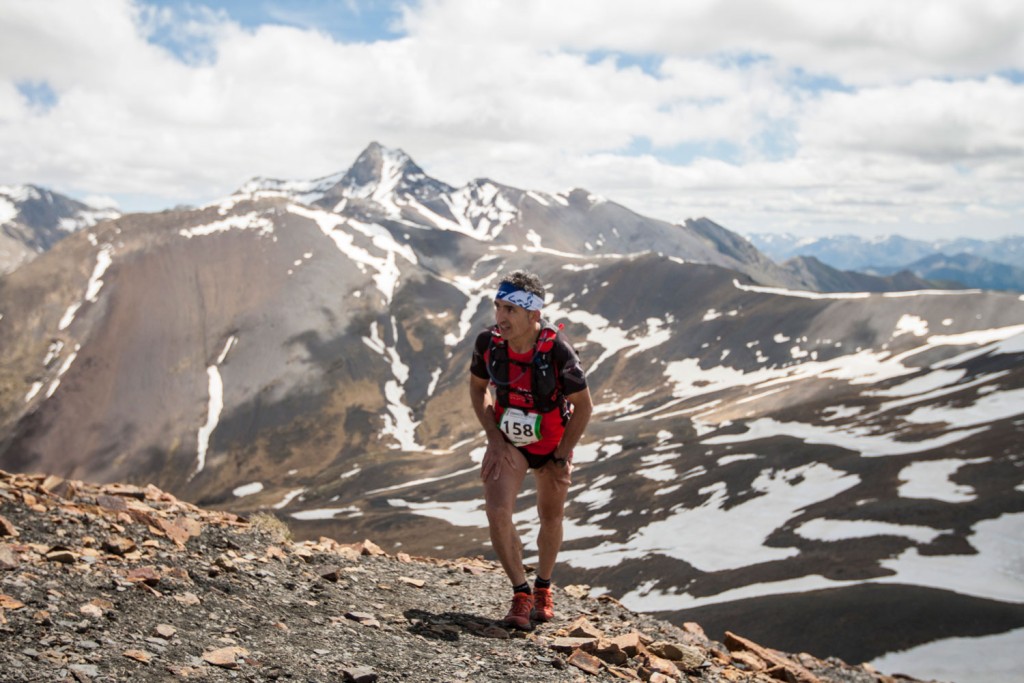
[{"x": 117, "y": 582}]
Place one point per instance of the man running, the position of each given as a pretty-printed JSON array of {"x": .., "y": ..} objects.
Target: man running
[{"x": 536, "y": 415}]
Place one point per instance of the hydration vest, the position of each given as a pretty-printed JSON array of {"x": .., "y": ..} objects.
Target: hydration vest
[{"x": 544, "y": 394}]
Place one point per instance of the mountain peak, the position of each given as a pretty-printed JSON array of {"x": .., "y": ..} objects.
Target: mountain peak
[{"x": 378, "y": 170}]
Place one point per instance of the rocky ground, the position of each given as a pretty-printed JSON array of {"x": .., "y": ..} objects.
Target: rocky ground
[{"x": 121, "y": 583}]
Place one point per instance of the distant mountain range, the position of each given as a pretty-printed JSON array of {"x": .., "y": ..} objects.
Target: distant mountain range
[
  {"x": 994, "y": 264},
  {"x": 33, "y": 219},
  {"x": 758, "y": 449}
]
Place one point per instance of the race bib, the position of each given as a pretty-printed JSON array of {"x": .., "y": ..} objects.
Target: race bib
[{"x": 520, "y": 427}]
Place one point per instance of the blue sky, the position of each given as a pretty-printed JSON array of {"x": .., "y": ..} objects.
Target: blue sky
[
  {"x": 344, "y": 20},
  {"x": 764, "y": 115}
]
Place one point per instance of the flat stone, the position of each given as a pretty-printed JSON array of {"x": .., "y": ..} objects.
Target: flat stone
[
  {"x": 585, "y": 662},
  {"x": 662, "y": 665},
  {"x": 611, "y": 653},
  {"x": 147, "y": 575},
  {"x": 6, "y": 528},
  {"x": 225, "y": 657},
  {"x": 62, "y": 556},
  {"x": 686, "y": 656},
  {"x": 582, "y": 628},
  {"x": 630, "y": 643},
  {"x": 8, "y": 558},
  {"x": 418, "y": 583},
  {"x": 87, "y": 670},
  {"x": 119, "y": 545},
  {"x": 165, "y": 631},
  {"x": 359, "y": 675},
  {"x": 568, "y": 644}
]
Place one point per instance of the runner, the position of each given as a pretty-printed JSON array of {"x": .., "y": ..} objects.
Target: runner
[{"x": 537, "y": 412}]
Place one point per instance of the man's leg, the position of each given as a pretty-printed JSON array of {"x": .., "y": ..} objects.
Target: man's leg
[
  {"x": 500, "y": 502},
  {"x": 553, "y": 483}
]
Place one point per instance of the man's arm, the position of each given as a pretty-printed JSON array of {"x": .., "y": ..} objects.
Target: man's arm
[
  {"x": 582, "y": 408},
  {"x": 483, "y": 406}
]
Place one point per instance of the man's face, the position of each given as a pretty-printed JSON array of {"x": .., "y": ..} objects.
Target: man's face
[{"x": 513, "y": 321}]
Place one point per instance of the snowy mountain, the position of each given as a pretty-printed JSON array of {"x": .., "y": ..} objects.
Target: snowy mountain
[
  {"x": 993, "y": 264},
  {"x": 817, "y": 276},
  {"x": 966, "y": 270},
  {"x": 33, "y": 219},
  {"x": 845, "y": 252},
  {"x": 302, "y": 347}
]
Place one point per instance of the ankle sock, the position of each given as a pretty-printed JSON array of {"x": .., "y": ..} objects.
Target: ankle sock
[
  {"x": 522, "y": 588},
  {"x": 542, "y": 583}
]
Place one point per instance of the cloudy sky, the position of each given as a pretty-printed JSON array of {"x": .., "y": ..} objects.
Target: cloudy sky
[{"x": 870, "y": 117}]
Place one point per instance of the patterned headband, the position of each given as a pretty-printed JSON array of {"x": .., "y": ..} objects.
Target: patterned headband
[{"x": 520, "y": 297}]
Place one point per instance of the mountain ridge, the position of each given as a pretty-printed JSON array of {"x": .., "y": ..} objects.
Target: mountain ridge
[
  {"x": 987, "y": 264},
  {"x": 33, "y": 219}
]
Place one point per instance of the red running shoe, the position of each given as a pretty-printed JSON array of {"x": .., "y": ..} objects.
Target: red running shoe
[
  {"x": 543, "y": 605},
  {"x": 519, "y": 615}
]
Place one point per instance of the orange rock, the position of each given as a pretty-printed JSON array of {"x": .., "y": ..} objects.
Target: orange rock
[
  {"x": 568, "y": 644},
  {"x": 793, "y": 670},
  {"x": 91, "y": 610},
  {"x": 6, "y": 528},
  {"x": 368, "y": 547},
  {"x": 61, "y": 555},
  {"x": 181, "y": 529},
  {"x": 749, "y": 660},
  {"x": 8, "y": 558},
  {"x": 623, "y": 673},
  {"x": 630, "y": 643},
  {"x": 147, "y": 575},
  {"x": 188, "y": 599},
  {"x": 165, "y": 631},
  {"x": 178, "y": 573},
  {"x": 610, "y": 653},
  {"x": 582, "y": 628},
  {"x": 119, "y": 545},
  {"x": 11, "y": 603},
  {"x": 661, "y": 665},
  {"x": 417, "y": 583},
  {"x": 225, "y": 657},
  {"x": 585, "y": 662}
]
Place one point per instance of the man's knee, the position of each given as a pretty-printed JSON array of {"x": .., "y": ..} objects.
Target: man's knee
[
  {"x": 499, "y": 512},
  {"x": 551, "y": 518},
  {"x": 551, "y": 510}
]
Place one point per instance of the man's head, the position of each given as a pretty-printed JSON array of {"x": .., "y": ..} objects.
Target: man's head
[{"x": 518, "y": 302}]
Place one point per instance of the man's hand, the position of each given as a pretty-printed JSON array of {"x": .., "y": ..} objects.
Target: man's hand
[{"x": 494, "y": 458}]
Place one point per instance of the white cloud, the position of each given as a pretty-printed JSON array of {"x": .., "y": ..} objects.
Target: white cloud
[
  {"x": 876, "y": 116},
  {"x": 927, "y": 120}
]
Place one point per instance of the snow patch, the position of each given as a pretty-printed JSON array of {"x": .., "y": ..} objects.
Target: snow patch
[
  {"x": 247, "y": 489},
  {"x": 932, "y": 480},
  {"x": 249, "y": 221}
]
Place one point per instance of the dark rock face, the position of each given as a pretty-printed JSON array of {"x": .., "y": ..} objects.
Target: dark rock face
[{"x": 302, "y": 348}]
